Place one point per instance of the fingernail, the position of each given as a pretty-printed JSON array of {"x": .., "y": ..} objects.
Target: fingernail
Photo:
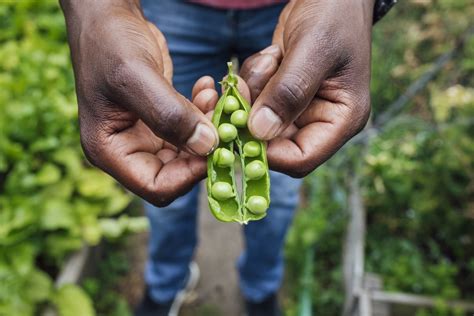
[
  {"x": 265, "y": 123},
  {"x": 263, "y": 63},
  {"x": 273, "y": 49},
  {"x": 203, "y": 141}
]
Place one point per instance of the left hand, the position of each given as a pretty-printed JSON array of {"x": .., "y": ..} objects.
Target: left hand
[{"x": 311, "y": 87}]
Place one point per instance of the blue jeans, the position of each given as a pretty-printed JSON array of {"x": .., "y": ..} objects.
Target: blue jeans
[{"x": 201, "y": 40}]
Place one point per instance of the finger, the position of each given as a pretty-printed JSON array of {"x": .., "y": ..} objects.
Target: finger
[
  {"x": 161, "y": 41},
  {"x": 289, "y": 91},
  {"x": 206, "y": 100},
  {"x": 259, "y": 68},
  {"x": 279, "y": 29},
  {"x": 160, "y": 183},
  {"x": 321, "y": 110},
  {"x": 242, "y": 87},
  {"x": 205, "y": 82},
  {"x": 332, "y": 126},
  {"x": 138, "y": 160},
  {"x": 210, "y": 114},
  {"x": 305, "y": 151},
  {"x": 140, "y": 88},
  {"x": 166, "y": 155}
]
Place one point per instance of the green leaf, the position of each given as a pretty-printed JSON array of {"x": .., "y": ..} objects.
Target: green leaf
[
  {"x": 22, "y": 258},
  {"x": 138, "y": 224},
  {"x": 69, "y": 158},
  {"x": 38, "y": 287},
  {"x": 57, "y": 214},
  {"x": 71, "y": 300},
  {"x": 95, "y": 184},
  {"x": 116, "y": 203},
  {"x": 48, "y": 174},
  {"x": 111, "y": 228}
]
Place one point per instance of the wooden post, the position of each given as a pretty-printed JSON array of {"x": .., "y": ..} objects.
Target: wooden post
[
  {"x": 373, "y": 282},
  {"x": 353, "y": 258}
]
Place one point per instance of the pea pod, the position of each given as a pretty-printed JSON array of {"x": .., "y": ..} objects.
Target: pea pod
[{"x": 226, "y": 201}]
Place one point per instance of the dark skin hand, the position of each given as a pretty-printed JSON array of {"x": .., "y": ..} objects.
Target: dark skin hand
[
  {"x": 311, "y": 87},
  {"x": 133, "y": 123},
  {"x": 311, "y": 93}
]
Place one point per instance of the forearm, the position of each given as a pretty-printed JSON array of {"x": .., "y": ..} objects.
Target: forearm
[{"x": 79, "y": 10}]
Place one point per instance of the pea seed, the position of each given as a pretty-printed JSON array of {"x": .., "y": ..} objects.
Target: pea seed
[
  {"x": 252, "y": 149},
  {"x": 223, "y": 157},
  {"x": 238, "y": 151},
  {"x": 227, "y": 132},
  {"x": 231, "y": 104},
  {"x": 255, "y": 170},
  {"x": 222, "y": 191},
  {"x": 257, "y": 204},
  {"x": 239, "y": 118}
]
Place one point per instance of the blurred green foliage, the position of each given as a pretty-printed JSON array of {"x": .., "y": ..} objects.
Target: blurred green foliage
[
  {"x": 51, "y": 201},
  {"x": 417, "y": 173},
  {"x": 319, "y": 227},
  {"x": 103, "y": 288}
]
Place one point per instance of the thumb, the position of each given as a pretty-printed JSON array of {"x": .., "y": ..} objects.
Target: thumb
[
  {"x": 140, "y": 88},
  {"x": 289, "y": 92}
]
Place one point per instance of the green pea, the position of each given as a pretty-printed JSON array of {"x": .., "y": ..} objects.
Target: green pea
[
  {"x": 255, "y": 170},
  {"x": 257, "y": 204},
  {"x": 227, "y": 132},
  {"x": 252, "y": 149},
  {"x": 223, "y": 157},
  {"x": 239, "y": 118},
  {"x": 239, "y": 152},
  {"x": 222, "y": 191},
  {"x": 231, "y": 104}
]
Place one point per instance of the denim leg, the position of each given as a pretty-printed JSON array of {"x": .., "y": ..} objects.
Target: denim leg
[
  {"x": 198, "y": 38},
  {"x": 261, "y": 264},
  {"x": 197, "y": 48},
  {"x": 255, "y": 29},
  {"x": 171, "y": 247}
]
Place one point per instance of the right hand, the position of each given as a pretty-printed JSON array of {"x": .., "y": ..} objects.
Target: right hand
[{"x": 133, "y": 123}]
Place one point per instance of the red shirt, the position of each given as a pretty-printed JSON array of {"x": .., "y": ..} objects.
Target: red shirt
[{"x": 237, "y": 4}]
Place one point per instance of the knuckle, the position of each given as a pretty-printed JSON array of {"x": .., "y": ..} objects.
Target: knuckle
[
  {"x": 305, "y": 169},
  {"x": 159, "y": 196},
  {"x": 291, "y": 93},
  {"x": 246, "y": 69},
  {"x": 298, "y": 174},
  {"x": 288, "y": 93},
  {"x": 171, "y": 119},
  {"x": 296, "y": 171},
  {"x": 119, "y": 77},
  {"x": 161, "y": 201}
]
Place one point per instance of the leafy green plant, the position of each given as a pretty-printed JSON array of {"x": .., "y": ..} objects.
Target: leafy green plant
[
  {"x": 102, "y": 288},
  {"x": 417, "y": 175},
  {"x": 418, "y": 185},
  {"x": 51, "y": 201}
]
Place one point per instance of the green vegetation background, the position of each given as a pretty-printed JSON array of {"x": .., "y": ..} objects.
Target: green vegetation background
[{"x": 51, "y": 201}]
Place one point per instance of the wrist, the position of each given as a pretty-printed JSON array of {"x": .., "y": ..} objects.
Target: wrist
[
  {"x": 79, "y": 10},
  {"x": 366, "y": 8},
  {"x": 357, "y": 12}
]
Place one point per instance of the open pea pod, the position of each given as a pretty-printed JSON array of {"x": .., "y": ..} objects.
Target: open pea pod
[{"x": 237, "y": 149}]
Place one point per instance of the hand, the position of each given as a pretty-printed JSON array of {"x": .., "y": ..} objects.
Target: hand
[
  {"x": 133, "y": 124},
  {"x": 311, "y": 87}
]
